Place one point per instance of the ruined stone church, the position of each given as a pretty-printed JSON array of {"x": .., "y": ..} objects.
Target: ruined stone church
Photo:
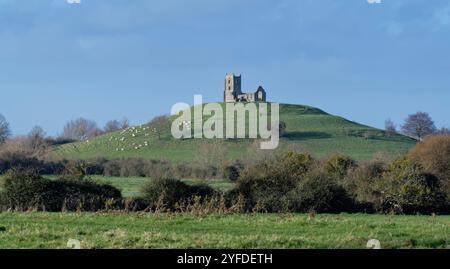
[{"x": 233, "y": 91}]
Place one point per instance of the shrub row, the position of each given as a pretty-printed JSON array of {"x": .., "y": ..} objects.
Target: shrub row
[
  {"x": 27, "y": 190},
  {"x": 132, "y": 167},
  {"x": 135, "y": 167},
  {"x": 9, "y": 161},
  {"x": 296, "y": 182}
]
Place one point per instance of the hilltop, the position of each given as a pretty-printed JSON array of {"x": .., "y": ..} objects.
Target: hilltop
[{"x": 308, "y": 128}]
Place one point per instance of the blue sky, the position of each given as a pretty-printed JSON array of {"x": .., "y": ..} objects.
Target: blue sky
[{"x": 105, "y": 59}]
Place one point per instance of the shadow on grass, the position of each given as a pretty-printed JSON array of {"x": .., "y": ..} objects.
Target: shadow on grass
[{"x": 305, "y": 135}]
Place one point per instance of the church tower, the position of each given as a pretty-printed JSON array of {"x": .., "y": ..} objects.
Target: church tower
[{"x": 232, "y": 88}]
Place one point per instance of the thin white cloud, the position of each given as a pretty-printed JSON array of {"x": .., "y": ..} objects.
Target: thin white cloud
[{"x": 441, "y": 17}]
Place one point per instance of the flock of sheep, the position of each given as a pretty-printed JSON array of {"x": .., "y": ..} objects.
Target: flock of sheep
[
  {"x": 124, "y": 139},
  {"x": 134, "y": 132}
]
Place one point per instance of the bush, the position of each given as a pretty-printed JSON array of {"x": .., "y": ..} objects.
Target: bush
[
  {"x": 158, "y": 169},
  {"x": 201, "y": 190},
  {"x": 95, "y": 167},
  {"x": 406, "y": 188},
  {"x": 321, "y": 194},
  {"x": 338, "y": 165},
  {"x": 164, "y": 192},
  {"x": 433, "y": 154},
  {"x": 23, "y": 189},
  {"x": 79, "y": 195},
  {"x": 26, "y": 189},
  {"x": 74, "y": 170},
  {"x": 183, "y": 170},
  {"x": 266, "y": 184},
  {"x": 9, "y": 161},
  {"x": 231, "y": 173},
  {"x": 205, "y": 172},
  {"x": 295, "y": 164},
  {"x": 167, "y": 193},
  {"x": 360, "y": 180},
  {"x": 112, "y": 168},
  {"x": 132, "y": 168}
]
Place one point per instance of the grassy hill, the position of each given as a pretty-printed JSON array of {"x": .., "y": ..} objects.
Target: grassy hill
[{"x": 308, "y": 128}]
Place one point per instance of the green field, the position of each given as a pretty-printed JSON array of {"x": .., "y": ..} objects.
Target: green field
[
  {"x": 308, "y": 128},
  {"x": 133, "y": 230}
]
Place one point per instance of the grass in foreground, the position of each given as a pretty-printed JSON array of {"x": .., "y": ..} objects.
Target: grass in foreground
[{"x": 119, "y": 230}]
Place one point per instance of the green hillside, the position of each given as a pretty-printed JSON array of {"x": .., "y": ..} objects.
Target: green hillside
[{"x": 308, "y": 128}]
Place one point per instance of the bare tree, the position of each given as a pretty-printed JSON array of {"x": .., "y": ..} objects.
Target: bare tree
[
  {"x": 124, "y": 124},
  {"x": 443, "y": 131},
  {"x": 390, "y": 127},
  {"x": 80, "y": 129},
  {"x": 36, "y": 140},
  {"x": 115, "y": 125},
  {"x": 26, "y": 146},
  {"x": 17, "y": 145},
  {"x": 159, "y": 125},
  {"x": 37, "y": 133},
  {"x": 5, "y": 132},
  {"x": 112, "y": 126},
  {"x": 419, "y": 125}
]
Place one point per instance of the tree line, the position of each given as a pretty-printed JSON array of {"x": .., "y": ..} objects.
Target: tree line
[
  {"x": 75, "y": 130},
  {"x": 418, "y": 126}
]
